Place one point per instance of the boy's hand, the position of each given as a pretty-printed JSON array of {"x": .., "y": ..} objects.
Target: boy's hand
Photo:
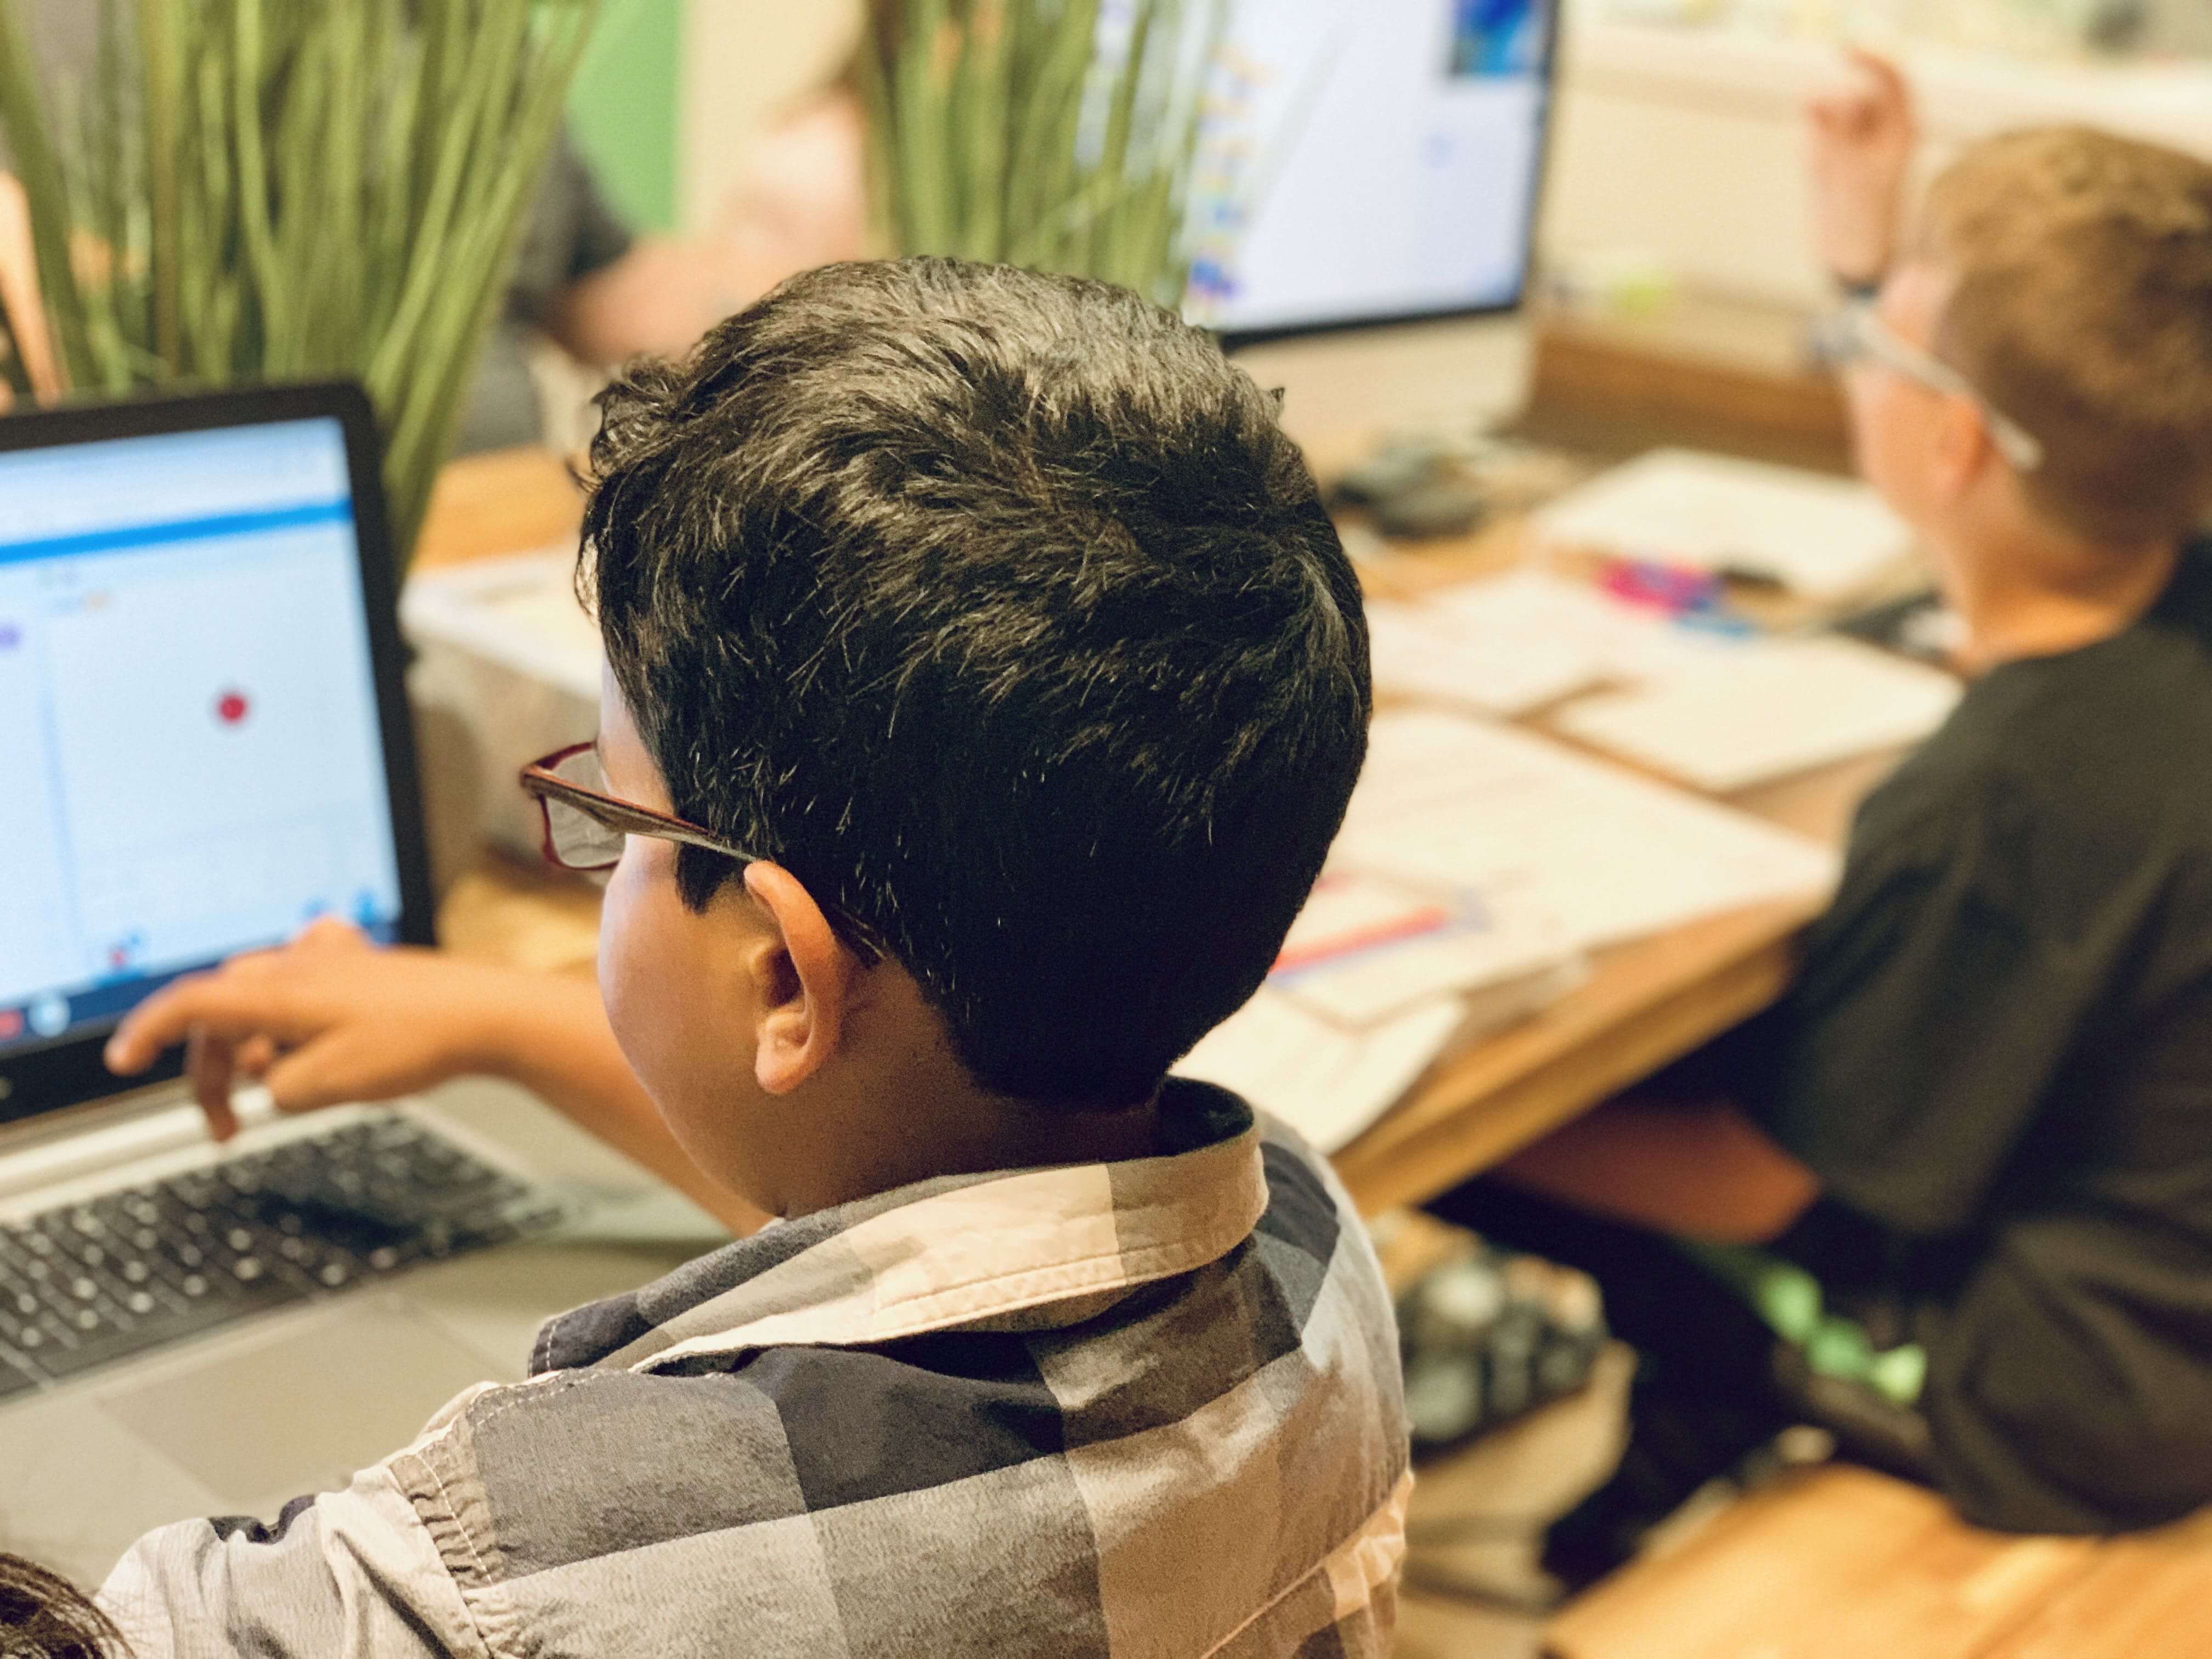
[
  {"x": 1863, "y": 140},
  {"x": 328, "y": 1018}
]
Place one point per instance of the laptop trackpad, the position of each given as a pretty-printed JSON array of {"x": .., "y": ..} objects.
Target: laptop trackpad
[{"x": 303, "y": 1410}]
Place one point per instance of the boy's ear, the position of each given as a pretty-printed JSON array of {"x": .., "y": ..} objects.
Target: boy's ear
[
  {"x": 803, "y": 979},
  {"x": 1962, "y": 447}
]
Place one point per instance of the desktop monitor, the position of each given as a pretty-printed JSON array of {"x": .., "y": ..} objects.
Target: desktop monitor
[
  {"x": 1367, "y": 162},
  {"x": 203, "y": 740}
]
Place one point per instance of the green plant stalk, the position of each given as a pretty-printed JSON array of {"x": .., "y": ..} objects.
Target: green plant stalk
[
  {"x": 1114, "y": 160},
  {"x": 424, "y": 429},
  {"x": 441, "y": 213},
  {"x": 918, "y": 127},
  {"x": 1050, "y": 125},
  {"x": 158, "y": 46},
  {"x": 260, "y": 244}
]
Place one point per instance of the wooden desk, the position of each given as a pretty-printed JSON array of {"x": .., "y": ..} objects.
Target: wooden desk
[
  {"x": 509, "y": 501},
  {"x": 1644, "y": 1005}
]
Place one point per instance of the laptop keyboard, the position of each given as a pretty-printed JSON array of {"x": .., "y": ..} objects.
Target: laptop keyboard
[{"x": 86, "y": 1285}]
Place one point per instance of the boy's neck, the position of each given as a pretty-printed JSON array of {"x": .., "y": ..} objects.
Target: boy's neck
[
  {"x": 905, "y": 1133},
  {"x": 2025, "y": 595}
]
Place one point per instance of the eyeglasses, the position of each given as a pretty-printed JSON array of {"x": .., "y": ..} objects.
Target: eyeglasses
[
  {"x": 1857, "y": 334},
  {"x": 585, "y": 826}
]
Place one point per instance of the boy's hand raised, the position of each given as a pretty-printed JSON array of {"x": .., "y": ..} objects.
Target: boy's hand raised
[
  {"x": 1863, "y": 135},
  {"x": 328, "y": 1018}
]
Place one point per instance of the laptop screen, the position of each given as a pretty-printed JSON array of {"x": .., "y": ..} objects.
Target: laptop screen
[{"x": 190, "y": 748}]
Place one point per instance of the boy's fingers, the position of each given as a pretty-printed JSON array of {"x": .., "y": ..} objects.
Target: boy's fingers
[
  {"x": 255, "y": 1056},
  {"x": 310, "y": 1078},
  {"x": 222, "y": 1119},
  {"x": 1874, "y": 63},
  {"x": 1843, "y": 114},
  {"x": 221, "y": 1003},
  {"x": 326, "y": 932},
  {"x": 208, "y": 1064},
  {"x": 1889, "y": 80}
]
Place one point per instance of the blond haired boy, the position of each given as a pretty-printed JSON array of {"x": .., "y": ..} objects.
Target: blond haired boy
[{"x": 1989, "y": 1094}]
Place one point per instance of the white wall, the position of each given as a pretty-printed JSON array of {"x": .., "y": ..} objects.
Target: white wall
[{"x": 1685, "y": 143}]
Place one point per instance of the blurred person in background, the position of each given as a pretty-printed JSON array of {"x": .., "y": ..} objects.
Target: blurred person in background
[{"x": 1980, "y": 1118}]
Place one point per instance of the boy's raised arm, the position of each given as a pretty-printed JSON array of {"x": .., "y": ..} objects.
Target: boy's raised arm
[
  {"x": 332, "y": 1018},
  {"x": 1862, "y": 137}
]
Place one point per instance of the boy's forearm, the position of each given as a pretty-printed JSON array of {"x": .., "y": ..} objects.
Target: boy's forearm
[
  {"x": 1700, "y": 1171},
  {"x": 551, "y": 1037}
]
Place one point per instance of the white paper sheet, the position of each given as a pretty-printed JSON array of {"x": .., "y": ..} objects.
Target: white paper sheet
[
  {"x": 1775, "y": 707},
  {"x": 1347, "y": 914},
  {"x": 1822, "y": 537},
  {"x": 1327, "y": 1081},
  {"x": 1469, "y": 942},
  {"x": 1460, "y": 802},
  {"x": 1508, "y": 644}
]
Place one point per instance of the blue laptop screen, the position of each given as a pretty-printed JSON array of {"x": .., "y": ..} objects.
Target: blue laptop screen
[{"x": 189, "y": 760}]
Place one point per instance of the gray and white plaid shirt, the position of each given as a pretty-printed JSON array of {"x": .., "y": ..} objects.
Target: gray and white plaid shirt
[{"x": 1139, "y": 1408}]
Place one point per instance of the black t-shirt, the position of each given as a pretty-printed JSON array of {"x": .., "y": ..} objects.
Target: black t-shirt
[{"x": 1999, "y": 1050}]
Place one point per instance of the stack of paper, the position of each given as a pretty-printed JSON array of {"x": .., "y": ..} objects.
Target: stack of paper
[
  {"x": 1509, "y": 644},
  {"x": 1770, "y": 709},
  {"x": 1327, "y": 1081},
  {"x": 1458, "y": 803},
  {"x": 1821, "y": 536},
  {"x": 1376, "y": 979},
  {"x": 1367, "y": 947},
  {"x": 1476, "y": 865}
]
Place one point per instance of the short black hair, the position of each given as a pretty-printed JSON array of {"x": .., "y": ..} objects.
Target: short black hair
[
  {"x": 44, "y": 1616},
  {"x": 998, "y": 609}
]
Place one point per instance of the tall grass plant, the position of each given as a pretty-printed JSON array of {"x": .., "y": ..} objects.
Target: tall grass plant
[
  {"x": 250, "y": 191},
  {"x": 1054, "y": 134}
]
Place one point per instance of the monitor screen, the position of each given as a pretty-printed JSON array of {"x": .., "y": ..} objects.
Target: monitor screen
[
  {"x": 1367, "y": 161},
  {"x": 190, "y": 748}
]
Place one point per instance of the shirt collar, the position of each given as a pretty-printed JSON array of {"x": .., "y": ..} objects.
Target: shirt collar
[{"x": 1019, "y": 1249}]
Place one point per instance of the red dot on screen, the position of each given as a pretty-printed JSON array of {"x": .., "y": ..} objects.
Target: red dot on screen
[
  {"x": 11, "y": 1023},
  {"x": 232, "y": 708}
]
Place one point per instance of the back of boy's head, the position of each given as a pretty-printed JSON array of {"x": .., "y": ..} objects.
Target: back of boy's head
[
  {"x": 997, "y": 608},
  {"x": 2082, "y": 309},
  {"x": 44, "y": 1616}
]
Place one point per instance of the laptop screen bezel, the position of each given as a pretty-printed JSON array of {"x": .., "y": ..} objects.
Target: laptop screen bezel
[{"x": 69, "y": 1073}]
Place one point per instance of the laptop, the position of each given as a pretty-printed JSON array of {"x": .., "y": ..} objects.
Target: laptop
[{"x": 203, "y": 746}]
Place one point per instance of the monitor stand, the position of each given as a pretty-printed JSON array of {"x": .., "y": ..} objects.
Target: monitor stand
[{"x": 1345, "y": 389}]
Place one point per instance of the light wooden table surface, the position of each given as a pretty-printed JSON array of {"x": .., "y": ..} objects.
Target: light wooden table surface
[{"x": 1644, "y": 1004}]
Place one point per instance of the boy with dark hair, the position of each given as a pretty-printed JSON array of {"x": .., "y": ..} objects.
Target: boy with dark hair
[
  {"x": 1985, "y": 1108},
  {"x": 987, "y": 684}
]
